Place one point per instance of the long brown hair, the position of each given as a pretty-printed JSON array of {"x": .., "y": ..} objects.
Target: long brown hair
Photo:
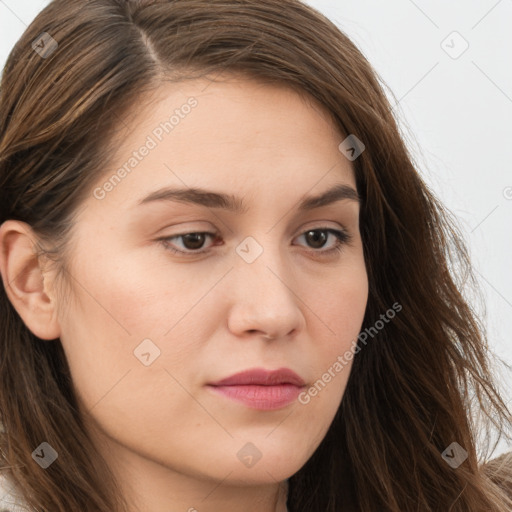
[{"x": 411, "y": 389}]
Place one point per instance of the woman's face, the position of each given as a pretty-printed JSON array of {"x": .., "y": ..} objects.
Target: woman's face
[{"x": 150, "y": 329}]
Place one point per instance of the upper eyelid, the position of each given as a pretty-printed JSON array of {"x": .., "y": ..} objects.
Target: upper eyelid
[
  {"x": 311, "y": 225},
  {"x": 215, "y": 232}
]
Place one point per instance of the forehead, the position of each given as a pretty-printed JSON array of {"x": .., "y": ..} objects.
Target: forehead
[
  {"x": 233, "y": 106},
  {"x": 239, "y": 133}
]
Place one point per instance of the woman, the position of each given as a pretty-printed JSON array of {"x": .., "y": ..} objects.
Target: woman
[{"x": 225, "y": 285}]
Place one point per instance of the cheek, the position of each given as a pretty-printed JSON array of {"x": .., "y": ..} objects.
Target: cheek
[
  {"x": 138, "y": 404},
  {"x": 120, "y": 305},
  {"x": 143, "y": 296},
  {"x": 340, "y": 306},
  {"x": 104, "y": 325},
  {"x": 340, "y": 310},
  {"x": 128, "y": 300}
]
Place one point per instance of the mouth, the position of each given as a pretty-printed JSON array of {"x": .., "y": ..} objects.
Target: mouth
[{"x": 261, "y": 389}]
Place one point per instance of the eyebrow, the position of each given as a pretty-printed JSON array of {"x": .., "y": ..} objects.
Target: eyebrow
[{"x": 235, "y": 205}]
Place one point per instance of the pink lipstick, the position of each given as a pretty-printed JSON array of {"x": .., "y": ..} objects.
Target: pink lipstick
[{"x": 261, "y": 389}]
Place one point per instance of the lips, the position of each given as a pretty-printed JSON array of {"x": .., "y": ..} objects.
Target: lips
[
  {"x": 262, "y": 377},
  {"x": 261, "y": 389}
]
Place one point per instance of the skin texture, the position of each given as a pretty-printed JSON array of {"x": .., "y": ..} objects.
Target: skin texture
[{"x": 171, "y": 441}]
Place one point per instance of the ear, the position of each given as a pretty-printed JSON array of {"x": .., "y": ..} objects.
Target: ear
[{"x": 23, "y": 280}]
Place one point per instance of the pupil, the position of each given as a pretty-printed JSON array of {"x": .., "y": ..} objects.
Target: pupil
[
  {"x": 316, "y": 235},
  {"x": 198, "y": 238}
]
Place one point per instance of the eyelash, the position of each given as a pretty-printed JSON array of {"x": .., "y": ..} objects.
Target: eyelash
[{"x": 342, "y": 238}]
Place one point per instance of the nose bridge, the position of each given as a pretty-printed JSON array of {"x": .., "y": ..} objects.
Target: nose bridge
[
  {"x": 262, "y": 264},
  {"x": 263, "y": 299}
]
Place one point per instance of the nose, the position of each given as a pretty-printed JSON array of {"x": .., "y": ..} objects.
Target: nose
[{"x": 263, "y": 302}]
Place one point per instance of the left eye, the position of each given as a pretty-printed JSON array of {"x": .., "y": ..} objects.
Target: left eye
[{"x": 194, "y": 241}]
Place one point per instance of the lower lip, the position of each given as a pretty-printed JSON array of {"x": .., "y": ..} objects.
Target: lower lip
[{"x": 263, "y": 398}]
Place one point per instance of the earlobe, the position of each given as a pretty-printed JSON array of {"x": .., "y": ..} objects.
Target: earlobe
[{"x": 23, "y": 280}]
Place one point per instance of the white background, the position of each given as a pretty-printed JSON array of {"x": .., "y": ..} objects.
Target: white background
[{"x": 457, "y": 111}]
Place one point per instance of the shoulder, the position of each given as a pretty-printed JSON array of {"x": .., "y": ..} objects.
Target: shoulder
[
  {"x": 499, "y": 470},
  {"x": 10, "y": 501}
]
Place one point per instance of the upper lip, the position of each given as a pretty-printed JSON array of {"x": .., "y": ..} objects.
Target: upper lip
[{"x": 262, "y": 377}]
